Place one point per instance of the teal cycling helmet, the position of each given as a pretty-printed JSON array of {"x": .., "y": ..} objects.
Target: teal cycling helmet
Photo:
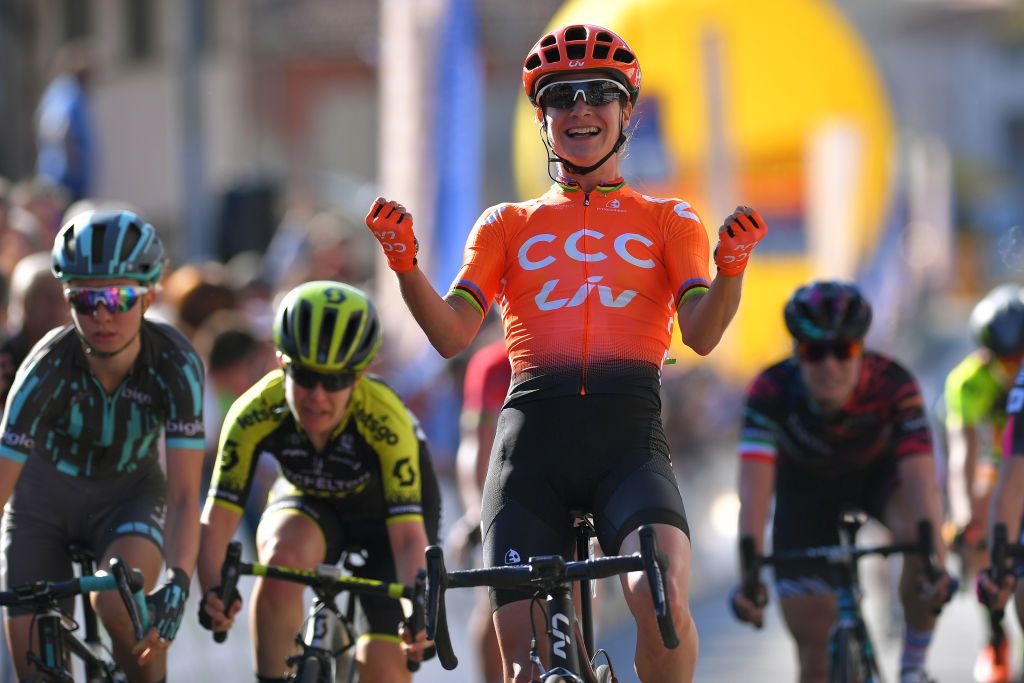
[
  {"x": 327, "y": 326},
  {"x": 107, "y": 245}
]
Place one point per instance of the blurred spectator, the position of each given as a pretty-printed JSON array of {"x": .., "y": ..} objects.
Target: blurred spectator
[
  {"x": 194, "y": 292},
  {"x": 236, "y": 356},
  {"x": 46, "y": 201},
  {"x": 326, "y": 247},
  {"x": 35, "y": 290},
  {"x": 20, "y": 236},
  {"x": 65, "y": 133}
]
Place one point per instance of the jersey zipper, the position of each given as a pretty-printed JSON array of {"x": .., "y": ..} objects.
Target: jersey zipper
[{"x": 585, "y": 351}]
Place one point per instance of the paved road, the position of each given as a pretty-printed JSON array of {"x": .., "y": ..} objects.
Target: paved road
[{"x": 730, "y": 652}]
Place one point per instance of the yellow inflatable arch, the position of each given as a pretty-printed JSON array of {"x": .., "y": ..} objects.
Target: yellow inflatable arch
[{"x": 736, "y": 101}]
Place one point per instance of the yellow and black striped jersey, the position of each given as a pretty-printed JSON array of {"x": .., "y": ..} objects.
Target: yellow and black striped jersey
[{"x": 369, "y": 468}]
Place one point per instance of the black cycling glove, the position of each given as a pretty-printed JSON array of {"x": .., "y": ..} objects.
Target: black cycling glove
[
  {"x": 205, "y": 620},
  {"x": 167, "y": 604}
]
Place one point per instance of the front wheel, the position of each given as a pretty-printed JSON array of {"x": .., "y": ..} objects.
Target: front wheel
[
  {"x": 848, "y": 660},
  {"x": 308, "y": 671}
]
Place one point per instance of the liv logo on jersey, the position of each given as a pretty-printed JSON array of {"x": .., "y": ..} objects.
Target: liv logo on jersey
[{"x": 512, "y": 557}]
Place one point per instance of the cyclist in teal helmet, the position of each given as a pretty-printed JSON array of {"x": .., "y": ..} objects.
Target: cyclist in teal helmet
[
  {"x": 79, "y": 448},
  {"x": 355, "y": 474}
]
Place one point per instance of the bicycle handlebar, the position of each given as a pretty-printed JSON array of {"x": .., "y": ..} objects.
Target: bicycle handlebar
[
  {"x": 542, "y": 574},
  {"x": 326, "y": 581},
  {"x": 656, "y": 566},
  {"x": 127, "y": 582},
  {"x": 228, "y": 582},
  {"x": 751, "y": 562}
]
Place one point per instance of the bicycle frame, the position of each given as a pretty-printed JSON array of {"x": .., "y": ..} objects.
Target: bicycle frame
[
  {"x": 552, "y": 577},
  {"x": 849, "y": 622},
  {"x": 54, "y": 630},
  {"x": 324, "y": 622}
]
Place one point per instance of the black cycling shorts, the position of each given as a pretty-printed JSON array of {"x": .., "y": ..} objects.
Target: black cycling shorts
[
  {"x": 601, "y": 453},
  {"x": 50, "y": 509},
  {"x": 378, "y": 616},
  {"x": 807, "y": 511}
]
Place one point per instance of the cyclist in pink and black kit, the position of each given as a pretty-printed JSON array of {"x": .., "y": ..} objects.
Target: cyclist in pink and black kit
[{"x": 830, "y": 428}]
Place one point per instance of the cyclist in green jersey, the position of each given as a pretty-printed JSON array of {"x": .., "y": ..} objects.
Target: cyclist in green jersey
[
  {"x": 975, "y": 394},
  {"x": 355, "y": 470}
]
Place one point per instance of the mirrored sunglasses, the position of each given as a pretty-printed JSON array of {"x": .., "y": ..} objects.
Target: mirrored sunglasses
[
  {"x": 816, "y": 352},
  {"x": 596, "y": 92},
  {"x": 115, "y": 299},
  {"x": 308, "y": 379}
]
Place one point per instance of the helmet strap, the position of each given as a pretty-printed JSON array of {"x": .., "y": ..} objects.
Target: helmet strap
[{"x": 571, "y": 167}]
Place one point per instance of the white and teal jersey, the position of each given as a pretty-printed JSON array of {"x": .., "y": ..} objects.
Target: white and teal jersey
[{"x": 59, "y": 411}]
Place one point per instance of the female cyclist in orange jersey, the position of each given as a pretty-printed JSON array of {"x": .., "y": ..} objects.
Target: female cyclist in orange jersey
[{"x": 589, "y": 278}]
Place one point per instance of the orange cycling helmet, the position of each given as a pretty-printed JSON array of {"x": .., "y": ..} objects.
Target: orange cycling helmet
[{"x": 583, "y": 47}]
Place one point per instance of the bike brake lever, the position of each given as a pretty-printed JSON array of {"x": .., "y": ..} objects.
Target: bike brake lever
[
  {"x": 228, "y": 582},
  {"x": 129, "y": 586},
  {"x": 655, "y": 566},
  {"x": 435, "y": 614}
]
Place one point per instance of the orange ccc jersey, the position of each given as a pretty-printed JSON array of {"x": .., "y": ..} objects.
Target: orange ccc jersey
[{"x": 588, "y": 285}]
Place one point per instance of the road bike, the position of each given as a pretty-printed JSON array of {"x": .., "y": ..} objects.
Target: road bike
[
  {"x": 327, "y": 636},
  {"x": 56, "y": 642},
  {"x": 851, "y": 652},
  {"x": 550, "y": 578}
]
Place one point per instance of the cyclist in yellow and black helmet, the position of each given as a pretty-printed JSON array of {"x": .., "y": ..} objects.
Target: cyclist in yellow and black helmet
[{"x": 355, "y": 473}]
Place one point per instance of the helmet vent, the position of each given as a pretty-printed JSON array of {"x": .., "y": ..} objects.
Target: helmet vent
[
  {"x": 351, "y": 330},
  {"x": 552, "y": 55},
  {"x": 304, "y": 325},
  {"x": 533, "y": 62},
  {"x": 548, "y": 41},
  {"x": 368, "y": 339},
  {"x": 575, "y": 33},
  {"x": 624, "y": 56},
  {"x": 576, "y": 51},
  {"x": 323, "y": 341},
  {"x": 99, "y": 231},
  {"x": 603, "y": 37},
  {"x": 601, "y": 51}
]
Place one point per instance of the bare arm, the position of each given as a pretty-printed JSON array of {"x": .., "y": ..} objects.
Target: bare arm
[
  {"x": 704, "y": 318},
  {"x": 449, "y": 323},
  {"x": 184, "y": 472},
  {"x": 218, "y": 528},
  {"x": 757, "y": 486},
  {"x": 1008, "y": 498},
  {"x": 9, "y": 473},
  {"x": 408, "y": 543},
  {"x": 917, "y": 474},
  {"x": 965, "y": 447}
]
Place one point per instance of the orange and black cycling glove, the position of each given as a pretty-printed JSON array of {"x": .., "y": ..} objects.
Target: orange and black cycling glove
[
  {"x": 737, "y": 237},
  {"x": 392, "y": 226}
]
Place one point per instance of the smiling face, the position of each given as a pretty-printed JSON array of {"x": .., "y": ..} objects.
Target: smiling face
[
  {"x": 106, "y": 331},
  {"x": 584, "y": 133}
]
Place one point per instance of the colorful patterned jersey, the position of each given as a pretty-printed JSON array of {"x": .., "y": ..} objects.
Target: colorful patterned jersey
[
  {"x": 975, "y": 394},
  {"x": 58, "y": 410},
  {"x": 588, "y": 285},
  {"x": 369, "y": 467},
  {"x": 884, "y": 417},
  {"x": 488, "y": 375}
]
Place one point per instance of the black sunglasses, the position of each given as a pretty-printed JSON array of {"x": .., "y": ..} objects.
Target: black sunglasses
[
  {"x": 816, "y": 352},
  {"x": 308, "y": 379},
  {"x": 596, "y": 92}
]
